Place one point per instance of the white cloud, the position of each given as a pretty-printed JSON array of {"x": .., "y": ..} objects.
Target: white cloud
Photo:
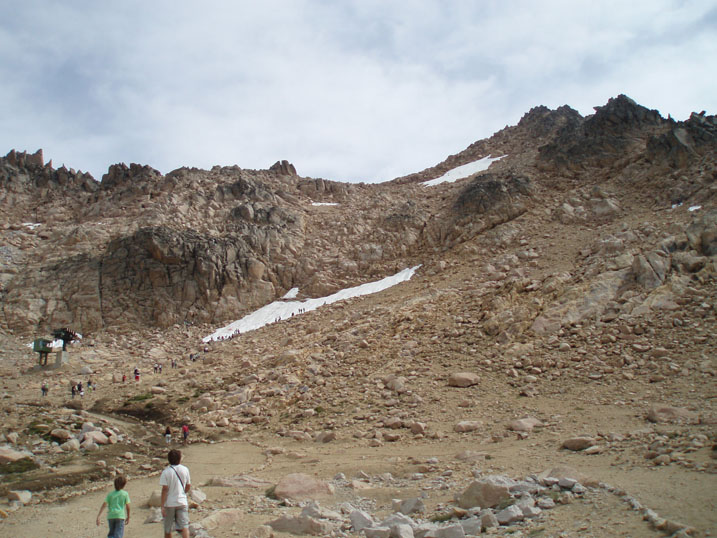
[{"x": 351, "y": 90}]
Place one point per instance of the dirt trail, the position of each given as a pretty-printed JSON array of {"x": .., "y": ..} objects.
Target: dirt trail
[
  {"x": 598, "y": 514},
  {"x": 76, "y": 517}
]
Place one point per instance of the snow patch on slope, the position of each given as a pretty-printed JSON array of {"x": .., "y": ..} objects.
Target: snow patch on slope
[
  {"x": 282, "y": 309},
  {"x": 464, "y": 171}
]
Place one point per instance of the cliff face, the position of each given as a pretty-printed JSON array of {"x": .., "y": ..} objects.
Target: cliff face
[{"x": 141, "y": 249}]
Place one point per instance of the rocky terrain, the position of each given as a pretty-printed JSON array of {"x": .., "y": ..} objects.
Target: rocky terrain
[{"x": 548, "y": 371}]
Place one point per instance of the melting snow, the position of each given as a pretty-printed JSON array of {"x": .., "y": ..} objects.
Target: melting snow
[
  {"x": 291, "y": 294},
  {"x": 324, "y": 203},
  {"x": 695, "y": 208},
  {"x": 464, "y": 171},
  {"x": 279, "y": 310},
  {"x": 31, "y": 225}
]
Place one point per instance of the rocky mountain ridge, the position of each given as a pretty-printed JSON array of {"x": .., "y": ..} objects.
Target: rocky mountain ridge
[{"x": 201, "y": 246}]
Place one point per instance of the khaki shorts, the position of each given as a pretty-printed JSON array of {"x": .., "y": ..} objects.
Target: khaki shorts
[{"x": 177, "y": 518}]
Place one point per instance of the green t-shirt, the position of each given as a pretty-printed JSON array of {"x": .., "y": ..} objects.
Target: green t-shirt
[{"x": 116, "y": 501}]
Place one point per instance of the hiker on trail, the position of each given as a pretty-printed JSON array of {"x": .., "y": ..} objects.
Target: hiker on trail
[
  {"x": 160, "y": 367},
  {"x": 89, "y": 385},
  {"x": 74, "y": 390},
  {"x": 136, "y": 374},
  {"x": 117, "y": 503},
  {"x": 124, "y": 378},
  {"x": 176, "y": 483},
  {"x": 168, "y": 435},
  {"x": 80, "y": 390},
  {"x": 44, "y": 388},
  {"x": 156, "y": 367},
  {"x": 185, "y": 433}
]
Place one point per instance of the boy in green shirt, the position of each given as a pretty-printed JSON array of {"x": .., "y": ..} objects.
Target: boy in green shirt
[{"x": 116, "y": 502}]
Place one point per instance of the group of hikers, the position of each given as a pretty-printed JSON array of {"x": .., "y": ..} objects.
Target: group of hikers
[
  {"x": 185, "y": 434},
  {"x": 175, "y": 482},
  {"x": 76, "y": 389}
]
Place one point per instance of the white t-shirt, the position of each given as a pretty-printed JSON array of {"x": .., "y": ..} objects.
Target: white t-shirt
[{"x": 170, "y": 478}]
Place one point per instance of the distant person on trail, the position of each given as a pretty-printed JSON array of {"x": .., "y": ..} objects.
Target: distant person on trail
[
  {"x": 124, "y": 378},
  {"x": 117, "y": 503},
  {"x": 136, "y": 374},
  {"x": 168, "y": 435},
  {"x": 44, "y": 388},
  {"x": 176, "y": 483},
  {"x": 74, "y": 390},
  {"x": 185, "y": 433}
]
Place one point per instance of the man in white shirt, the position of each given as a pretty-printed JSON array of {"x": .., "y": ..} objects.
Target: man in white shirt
[{"x": 175, "y": 484}]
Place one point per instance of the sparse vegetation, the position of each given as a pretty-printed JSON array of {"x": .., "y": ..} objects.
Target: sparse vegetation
[
  {"x": 20, "y": 466},
  {"x": 141, "y": 397},
  {"x": 505, "y": 503},
  {"x": 441, "y": 518}
]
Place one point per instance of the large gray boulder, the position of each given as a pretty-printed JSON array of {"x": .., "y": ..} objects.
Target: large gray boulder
[
  {"x": 299, "y": 486},
  {"x": 487, "y": 492}
]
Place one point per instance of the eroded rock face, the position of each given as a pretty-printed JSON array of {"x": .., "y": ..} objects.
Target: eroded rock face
[{"x": 488, "y": 192}]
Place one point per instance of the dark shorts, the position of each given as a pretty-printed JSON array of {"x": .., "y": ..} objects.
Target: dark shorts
[{"x": 177, "y": 518}]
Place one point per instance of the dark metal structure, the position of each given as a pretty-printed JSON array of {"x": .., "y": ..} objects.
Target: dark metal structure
[{"x": 66, "y": 335}]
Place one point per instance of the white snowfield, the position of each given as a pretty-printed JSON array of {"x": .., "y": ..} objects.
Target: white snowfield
[
  {"x": 323, "y": 203},
  {"x": 464, "y": 171},
  {"x": 282, "y": 309}
]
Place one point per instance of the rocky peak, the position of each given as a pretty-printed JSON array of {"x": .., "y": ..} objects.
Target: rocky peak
[
  {"x": 621, "y": 114},
  {"x": 620, "y": 126},
  {"x": 284, "y": 168},
  {"x": 121, "y": 174},
  {"x": 541, "y": 121}
]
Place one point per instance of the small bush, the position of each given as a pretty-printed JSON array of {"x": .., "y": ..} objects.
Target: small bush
[
  {"x": 19, "y": 466},
  {"x": 441, "y": 518},
  {"x": 141, "y": 397}
]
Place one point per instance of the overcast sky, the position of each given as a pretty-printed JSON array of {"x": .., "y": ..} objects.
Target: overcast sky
[{"x": 352, "y": 90}]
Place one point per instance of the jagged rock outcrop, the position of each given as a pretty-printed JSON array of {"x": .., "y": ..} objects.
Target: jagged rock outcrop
[
  {"x": 601, "y": 139},
  {"x": 121, "y": 174},
  {"x": 684, "y": 141},
  {"x": 285, "y": 168},
  {"x": 21, "y": 172}
]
